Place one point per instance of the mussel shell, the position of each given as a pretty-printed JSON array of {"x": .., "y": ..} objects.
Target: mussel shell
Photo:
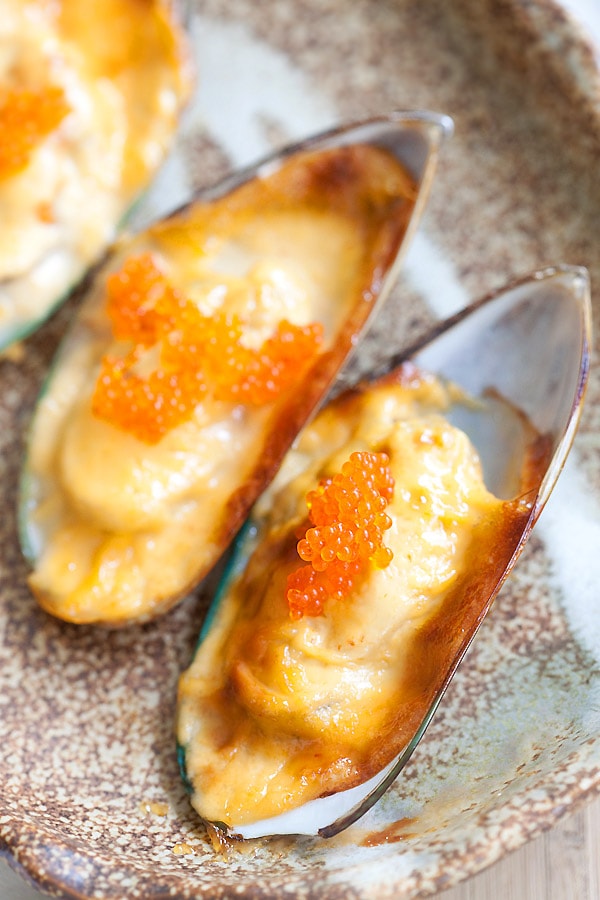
[
  {"x": 410, "y": 139},
  {"x": 523, "y": 352},
  {"x": 85, "y": 192}
]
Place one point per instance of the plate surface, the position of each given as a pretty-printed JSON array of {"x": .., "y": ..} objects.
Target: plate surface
[{"x": 90, "y": 798}]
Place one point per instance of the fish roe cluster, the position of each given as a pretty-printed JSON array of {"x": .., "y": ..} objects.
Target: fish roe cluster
[
  {"x": 26, "y": 118},
  {"x": 196, "y": 354},
  {"x": 146, "y": 407},
  {"x": 348, "y": 518},
  {"x": 139, "y": 301},
  {"x": 254, "y": 377}
]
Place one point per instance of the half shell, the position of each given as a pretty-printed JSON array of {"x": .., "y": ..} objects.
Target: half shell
[
  {"x": 117, "y": 527},
  {"x": 102, "y": 111},
  {"x": 290, "y": 725}
]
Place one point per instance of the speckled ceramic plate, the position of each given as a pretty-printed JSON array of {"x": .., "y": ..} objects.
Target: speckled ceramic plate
[{"x": 90, "y": 799}]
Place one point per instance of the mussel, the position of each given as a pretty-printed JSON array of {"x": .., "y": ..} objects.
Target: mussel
[
  {"x": 203, "y": 345},
  {"x": 321, "y": 663},
  {"x": 90, "y": 96}
]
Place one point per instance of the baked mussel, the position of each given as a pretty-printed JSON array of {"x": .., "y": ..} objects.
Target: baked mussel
[
  {"x": 368, "y": 565},
  {"x": 90, "y": 99},
  {"x": 201, "y": 347}
]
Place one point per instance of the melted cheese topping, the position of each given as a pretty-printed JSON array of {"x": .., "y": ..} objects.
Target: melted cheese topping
[
  {"x": 120, "y": 528},
  {"x": 120, "y": 66},
  {"x": 275, "y": 711}
]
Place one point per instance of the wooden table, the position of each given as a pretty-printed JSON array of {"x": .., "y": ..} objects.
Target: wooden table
[{"x": 562, "y": 864}]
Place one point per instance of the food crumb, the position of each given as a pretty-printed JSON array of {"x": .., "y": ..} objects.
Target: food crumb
[
  {"x": 182, "y": 849},
  {"x": 220, "y": 843},
  {"x": 13, "y": 353},
  {"x": 154, "y": 807}
]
